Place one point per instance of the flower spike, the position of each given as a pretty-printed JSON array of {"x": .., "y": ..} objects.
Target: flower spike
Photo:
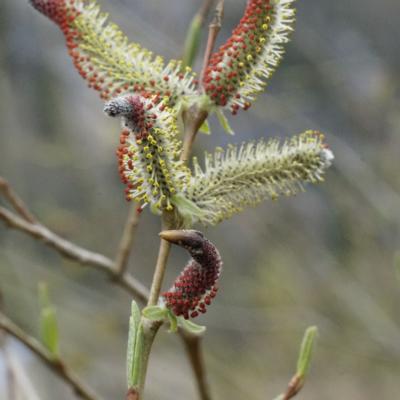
[
  {"x": 197, "y": 285},
  {"x": 148, "y": 153},
  {"x": 248, "y": 174},
  {"x": 102, "y": 55},
  {"x": 239, "y": 69}
]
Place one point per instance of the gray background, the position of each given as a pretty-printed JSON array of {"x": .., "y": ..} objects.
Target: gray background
[{"x": 325, "y": 257}]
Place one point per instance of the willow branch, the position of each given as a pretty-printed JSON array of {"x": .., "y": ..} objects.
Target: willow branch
[
  {"x": 127, "y": 239},
  {"x": 161, "y": 264},
  {"x": 194, "y": 351},
  {"x": 15, "y": 201},
  {"x": 214, "y": 28},
  {"x": 195, "y": 116},
  {"x": 57, "y": 365},
  {"x": 75, "y": 252}
]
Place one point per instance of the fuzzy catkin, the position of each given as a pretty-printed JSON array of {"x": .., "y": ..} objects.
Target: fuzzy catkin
[{"x": 248, "y": 174}]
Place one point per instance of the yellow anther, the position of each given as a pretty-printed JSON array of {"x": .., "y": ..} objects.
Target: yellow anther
[
  {"x": 249, "y": 57},
  {"x": 265, "y": 27},
  {"x": 149, "y": 168}
]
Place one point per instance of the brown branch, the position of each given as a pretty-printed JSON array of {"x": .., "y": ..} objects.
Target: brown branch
[
  {"x": 294, "y": 387},
  {"x": 57, "y": 365},
  {"x": 74, "y": 252},
  {"x": 15, "y": 201},
  {"x": 194, "y": 351},
  {"x": 213, "y": 31},
  {"x": 128, "y": 236},
  {"x": 205, "y": 9},
  {"x": 126, "y": 282},
  {"x": 195, "y": 116},
  {"x": 163, "y": 254}
]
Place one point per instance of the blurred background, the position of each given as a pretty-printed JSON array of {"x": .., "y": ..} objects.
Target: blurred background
[{"x": 325, "y": 257}]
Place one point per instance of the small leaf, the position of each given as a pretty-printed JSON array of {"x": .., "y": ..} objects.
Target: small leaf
[
  {"x": 49, "y": 330},
  {"x": 205, "y": 128},
  {"x": 191, "y": 326},
  {"x": 397, "y": 265},
  {"x": 224, "y": 122},
  {"x": 134, "y": 321},
  {"x": 187, "y": 209},
  {"x": 173, "y": 322},
  {"x": 192, "y": 42},
  {"x": 307, "y": 345},
  {"x": 155, "y": 313},
  {"x": 137, "y": 367},
  {"x": 48, "y": 321}
]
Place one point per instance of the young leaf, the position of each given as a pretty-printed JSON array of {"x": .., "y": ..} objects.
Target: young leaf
[
  {"x": 191, "y": 326},
  {"x": 224, "y": 122},
  {"x": 48, "y": 321},
  {"x": 205, "y": 128},
  {"x": 155, "y": 313},
  {"x": 306, "y": 349},
  {"x": 134, "y": 322},
  {"x": 397, "y": 264},
  {"x": 49, "y": 330},
  {"x": 192, "y": 41},
  {"x": 173, "y": 322}
]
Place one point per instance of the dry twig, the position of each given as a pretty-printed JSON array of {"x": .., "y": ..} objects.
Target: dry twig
[{"x": 57, "y": 365}]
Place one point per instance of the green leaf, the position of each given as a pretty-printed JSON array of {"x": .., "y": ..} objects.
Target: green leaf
[
  {"x": 306, "y": 349},
  {"x": 137, "y": 367},
  {"x": 134, "y": 321},
  {"x": 205, "y": 128},
  {"x": 397, "y": 265},
  {"x": 173, "y": 322},
  {"x": 48, "y": 321},
  {"x": 192, "y": 42},
  {"x": 155, "y": 313},
  {"x": 49, "y": 330},
  {"x": 191, "y": 326},
  {"x": 188, "y": 210},
  {"x": 224, "y": 122}
]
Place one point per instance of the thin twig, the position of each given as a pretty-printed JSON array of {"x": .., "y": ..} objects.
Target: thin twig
[
  {"x": 195, "y": 116},
  {"x": 126, "y": 243},
  {"x": 294, "y": 387},
  {"x": 55, "y": 364},
  {"x": 194, "y": 350},
  {"x": 193, "y": 120},
  {"x": 75, "y": 252},
  {"x": 163, "y": 254},
  {"x": 214, "y": 28},
  {"x": 15, "y": 201},
  {"x": 205, "y": 9}
]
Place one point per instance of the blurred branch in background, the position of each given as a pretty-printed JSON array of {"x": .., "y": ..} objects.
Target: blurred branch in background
[
  {"x": 56, "y": 364},
  {"x": 74, "y": 252},
  {"x": 127, "y": 239},
  {"x": 116, "y": 273}
]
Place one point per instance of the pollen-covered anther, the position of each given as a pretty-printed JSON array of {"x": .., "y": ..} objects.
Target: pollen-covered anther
[
  {"x": 197, "y": 285},
  {"x": 239, "y": 69},
  {"x": 148, "y": 154},
  {"x": 110, "y": 64}
]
